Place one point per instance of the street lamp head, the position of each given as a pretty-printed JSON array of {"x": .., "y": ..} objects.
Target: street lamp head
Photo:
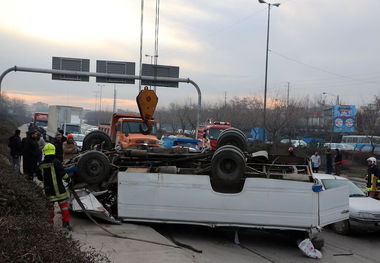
[{"x": 264, "y": 2}]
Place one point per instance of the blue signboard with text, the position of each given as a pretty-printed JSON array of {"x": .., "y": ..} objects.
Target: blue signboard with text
[{"x": 344, "y": 118}]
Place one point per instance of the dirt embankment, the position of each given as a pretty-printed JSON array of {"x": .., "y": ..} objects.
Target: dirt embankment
[{"x": 25, "y": 235}]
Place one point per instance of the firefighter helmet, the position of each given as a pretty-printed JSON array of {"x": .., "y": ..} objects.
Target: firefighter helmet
[
  {"x": 372, "y": 160},
  {"x": 49, "y": 149}
]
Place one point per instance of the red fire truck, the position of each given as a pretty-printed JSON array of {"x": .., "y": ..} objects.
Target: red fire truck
[{"x": 210, "y": 132}]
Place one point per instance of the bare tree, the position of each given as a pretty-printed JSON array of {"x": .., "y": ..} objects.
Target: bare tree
[
  {"x": 281, "y": 116},
  {"x": 368, "y": 121}
]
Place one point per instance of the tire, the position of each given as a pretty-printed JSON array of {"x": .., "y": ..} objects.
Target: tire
[
  {"x": 342, "y": 227},
  {"x": 227, "y": 169},
  {"x": 95, "y": 138},
  {"x": 232, "y": 148},
  {"x": 233, "y": 137},
  {"x": 93, "y": 167}
]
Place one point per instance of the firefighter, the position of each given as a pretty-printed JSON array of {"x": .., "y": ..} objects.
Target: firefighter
[
  {"x": 51, "y": 172},
  {"x": 373, "y": 177}
]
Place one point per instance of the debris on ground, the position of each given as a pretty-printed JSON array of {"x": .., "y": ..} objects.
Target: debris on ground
[{"x": 308, "y": 249}]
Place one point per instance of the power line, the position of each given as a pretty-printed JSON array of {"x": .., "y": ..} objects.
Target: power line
[
  {"x": 361, "y": 76},
  {"x": 334, "y": 80},
  {"x": 320, "y": 69},
  {"x": 241, "y": 20}
]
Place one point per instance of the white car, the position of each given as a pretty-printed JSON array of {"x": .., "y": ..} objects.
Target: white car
[
  {"x": 364, "y": 210},
  {"x": 295, "y": 143},
  {"x": 78, "y": 138},
  {"x": 339, "y": 146}
]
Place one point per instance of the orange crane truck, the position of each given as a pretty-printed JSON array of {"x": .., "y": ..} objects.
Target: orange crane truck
[{"x": 124, "y": 131}]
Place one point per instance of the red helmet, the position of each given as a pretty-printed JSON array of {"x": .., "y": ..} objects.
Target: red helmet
[{"x": 70, "y": 136}]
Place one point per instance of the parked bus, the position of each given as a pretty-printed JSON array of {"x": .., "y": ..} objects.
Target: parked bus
[
  {"x": 360, "y": 139},
  {"x": 364, "y": 143}
]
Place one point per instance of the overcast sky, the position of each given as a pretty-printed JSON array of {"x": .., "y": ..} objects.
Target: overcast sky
[{"x": 317, "y": 46}]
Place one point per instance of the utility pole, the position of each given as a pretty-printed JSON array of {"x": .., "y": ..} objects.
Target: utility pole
[
  {"x": 114, "y": 98},
  {"x": 225, "y": 99},
  {"x": 96, "y": 92},
  {"x": 287, "y": 97},
  {"x": 100, "y": 97}
]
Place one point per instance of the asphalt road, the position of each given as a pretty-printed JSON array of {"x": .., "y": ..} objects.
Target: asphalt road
[{"x": 218, "y": 245}]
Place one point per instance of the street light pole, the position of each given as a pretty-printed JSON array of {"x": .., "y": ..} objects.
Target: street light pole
[
  {"x": 266, "y": 61},
  {"x": 266, "y": 72},
  {"x": 100, "y": 97},
  {"x": 337, "y": 97},
  {"x": 151, "y": 57}
]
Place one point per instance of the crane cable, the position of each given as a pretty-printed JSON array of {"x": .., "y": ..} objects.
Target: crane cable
[
  {"x": 156, "y": 34},
  {"x": 141, "y": 39}
]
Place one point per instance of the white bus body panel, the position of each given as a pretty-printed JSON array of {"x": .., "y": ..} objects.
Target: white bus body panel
[{"x": 189, "y": 199}]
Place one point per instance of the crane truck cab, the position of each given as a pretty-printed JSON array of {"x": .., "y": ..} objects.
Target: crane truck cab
[
  {"x": 209, "y": 133},
  {"x": 124, "y": 131}
]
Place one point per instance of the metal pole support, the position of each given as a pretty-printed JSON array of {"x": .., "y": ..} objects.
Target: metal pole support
[{"x": 117, "y": 76}]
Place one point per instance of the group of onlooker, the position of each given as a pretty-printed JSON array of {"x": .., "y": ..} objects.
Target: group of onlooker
[
  {"x": 331, "y": 159},
  {"x": 44, "y": 160},
  {"x": 30, "y": 149}
]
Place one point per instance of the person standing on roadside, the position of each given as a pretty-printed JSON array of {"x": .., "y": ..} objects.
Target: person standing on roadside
[
  {"x": 69, "y": 148},
  {"x": 329, "y": 161},
  {"x": 51, "y": 173},
  {"x": 338, "y": 161},
  {"x": 14, "y": 143},
  {"x": 64, "y": 138},
  {"x": 291, "y": 151},
  {"x": 31, "y": 153},
  {"x": 315, "y": 162},
  {"x": 41, "y": 143},
  {"x": 58, "y": 143}
]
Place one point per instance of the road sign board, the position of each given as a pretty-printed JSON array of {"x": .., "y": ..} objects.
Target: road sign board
[
  {"x": 344, "y": 118},
  {"x": 115, "y": 67},
  {"x": 160, "y": 71},
  {"x": 72, "y": 64}
]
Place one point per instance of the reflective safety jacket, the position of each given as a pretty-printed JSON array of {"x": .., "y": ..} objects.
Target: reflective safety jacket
[
  {"x": 51, "y": 172},
  {"x": 372, "y": 172}
]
